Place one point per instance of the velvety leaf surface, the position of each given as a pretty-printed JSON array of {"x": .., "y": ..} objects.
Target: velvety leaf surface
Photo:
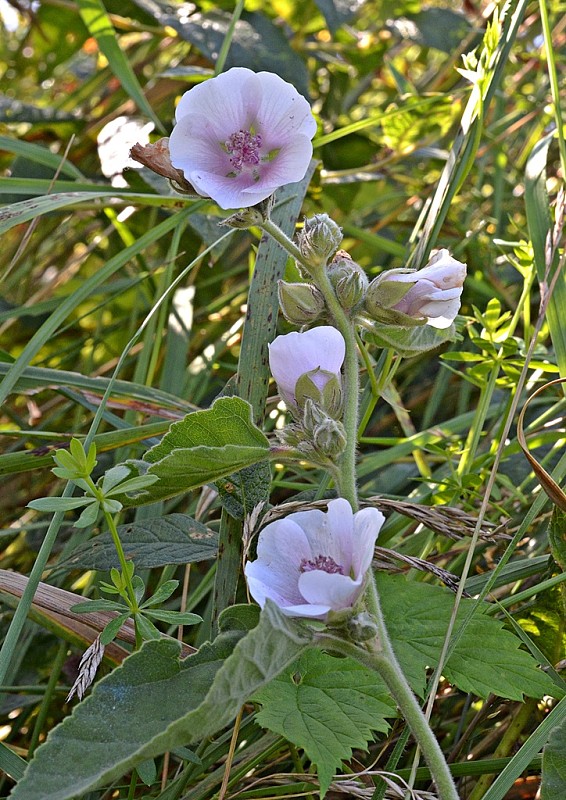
[
  {"x": 487, "y": 658},
  {"x": 554, "y": 764},
  {"x": 154, "y": 703},
  {"x": 327, "y": 706},
  {"x": 202, "y": 448},
  {"x": 173, "y": 539},
  {"x": 410, "y": 342}
]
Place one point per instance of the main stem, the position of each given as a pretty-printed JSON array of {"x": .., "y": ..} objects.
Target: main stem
[
  {"x": 385, "y": 664},
  {"x": 347, "y": 485}
]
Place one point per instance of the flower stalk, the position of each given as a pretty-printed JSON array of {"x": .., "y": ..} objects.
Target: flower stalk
[
  {"x": 376, "y": 657},
  {"x": 347, "y": 465}
]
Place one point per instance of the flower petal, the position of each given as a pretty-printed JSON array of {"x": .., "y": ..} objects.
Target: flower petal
[
  {"x": 332, "y": 589},
  {"x": 367, "y": 524},
  {"x": 292, "y": 355}
]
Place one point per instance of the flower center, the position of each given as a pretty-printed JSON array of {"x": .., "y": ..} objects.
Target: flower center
[
  {"x": 323, "y": 563},
  {"x": 243, "y": 148}
]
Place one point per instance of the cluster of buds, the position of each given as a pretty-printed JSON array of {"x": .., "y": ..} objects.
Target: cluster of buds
[{"x": 319, "y": 239}]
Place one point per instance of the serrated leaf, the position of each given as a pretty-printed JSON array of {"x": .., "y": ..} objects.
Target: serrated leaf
[
  {"x": 486, "y": 659},
  {"x": 203, "y": 447},
  {"x": 173, "y": 539},
  {"x": 242, "y": 491},
  {"x": 409, "y": 342},
  {"x": 327, "y": 706},
  {"x": 173, "y": 702},
  {"x": 554, "y": 764}
]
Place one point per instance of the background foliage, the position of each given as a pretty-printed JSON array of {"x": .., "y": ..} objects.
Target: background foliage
[{"x": 409, "y": 156}]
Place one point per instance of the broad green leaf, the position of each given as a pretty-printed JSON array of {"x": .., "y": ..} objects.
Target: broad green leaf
[
  {"x": 410, "y": 342},
  {"x": 327, "y": 706},
  {"x": 486, "y": 659},
  {"x": 203, "y": 447},
  {"x": 173, "y": 539},
  {"x": 99, "y": 25},
  {"x": 554, "y": 764},
  {"x": 154, "y": 702},
  {"x": 242, "y": 491},
  {"x": 240, "y": 617},
  {"x": 336, "y": 12}
]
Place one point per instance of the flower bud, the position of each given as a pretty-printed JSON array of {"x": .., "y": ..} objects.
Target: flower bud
[
  {"x": 349, "y": 280},
  {"x": 317, "y": 354},
  {"x": 300, "y": 303},
  {"x": 329, "y": 438},
  {"x": 319, "y": 239},
  {"x": 362, "y": 627},
  {"x": 430, "y": 295}
]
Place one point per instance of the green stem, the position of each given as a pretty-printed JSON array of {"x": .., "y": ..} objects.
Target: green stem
[
  {"x": 347, "y": 485},
  {"x": 554, "y": 84},
  {"x": 379, "y": 656}
]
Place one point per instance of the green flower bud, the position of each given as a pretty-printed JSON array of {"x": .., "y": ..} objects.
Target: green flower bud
[
  {"x": 319, "y": 239},
  {"x": 300, "y": 303},
  {"x": 349, "y": 280},
  {"x": 383, "y": 295},
  {"x": 329, "y": 438}
]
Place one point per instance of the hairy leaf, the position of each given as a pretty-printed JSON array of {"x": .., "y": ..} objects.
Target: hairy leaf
[
  {"x": 410, "y": 342},
  {"x": 486, "y": 659},
  {"x": 173, "y": 539},
  {"x": 327, "y": 706},
  {"x": 154, "y": 703},
  {"x": 554, "y": 764},
  {"x": 202, "y": 448}
]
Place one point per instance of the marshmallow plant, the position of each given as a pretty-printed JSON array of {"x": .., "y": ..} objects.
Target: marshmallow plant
[{"x": 237, "y": 138}]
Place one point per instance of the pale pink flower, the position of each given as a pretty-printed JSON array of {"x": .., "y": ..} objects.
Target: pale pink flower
[
  {"x": 318, "y": 351},
  {"x": 312, "y": 563},
  {"x": 436, "y": 290},
  {"x": 241, "y": 135}
]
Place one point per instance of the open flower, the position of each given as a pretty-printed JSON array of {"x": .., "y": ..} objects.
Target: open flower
[
  {"x": 313, "y": 562},
  {"x": 436, "y": 290},
  {"x": 241, "y": 135},
  {"x": 319, "y": 352}
]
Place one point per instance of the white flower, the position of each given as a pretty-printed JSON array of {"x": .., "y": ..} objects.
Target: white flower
[
  {"x": 241, "y": 135},
  {"x": 436, "y": 290},
  {"x": 313, "y": 562},
  {"x": 318, "y": 351}
]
